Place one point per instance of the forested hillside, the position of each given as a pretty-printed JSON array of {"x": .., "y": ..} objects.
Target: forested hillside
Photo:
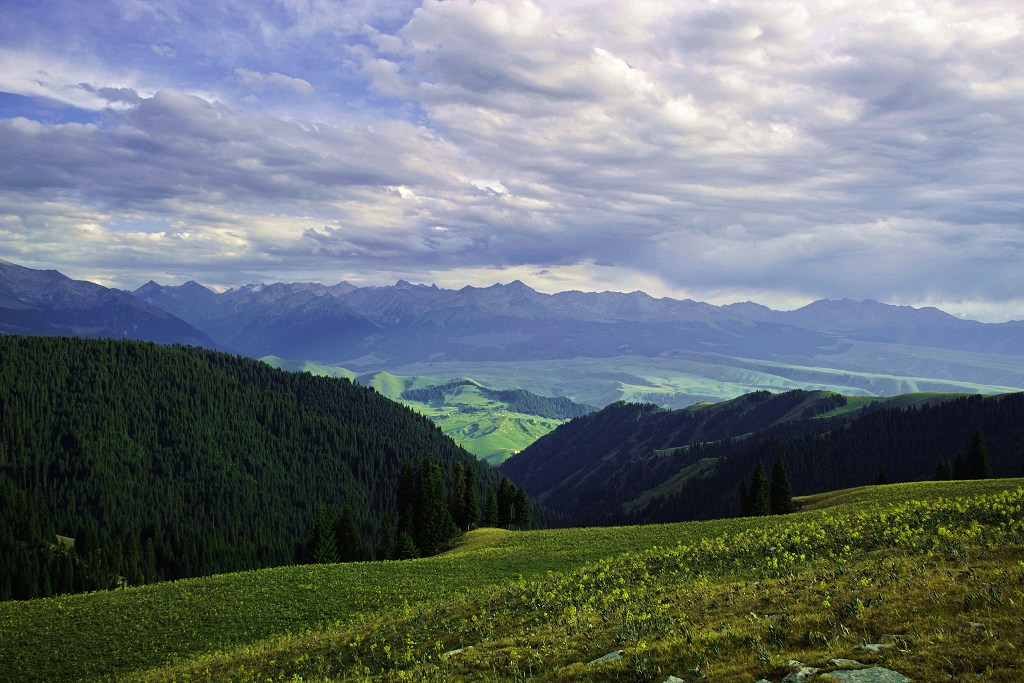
[
  {"x": 166, "y": 462},
  {"x": 640, "y": 463}
]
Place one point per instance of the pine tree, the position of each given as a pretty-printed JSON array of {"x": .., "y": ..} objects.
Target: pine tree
[
  {"x": 520, "y": 509},
  {"x": 943, "y": 470},
  {"x": 960, "y": 466},
  {"x": 407, "y": 549},
  {"x": 434, "y": 526},
  {"x": 350, "y": 546},
  {"x": 406, "y": 498},
  {"x": 760, "y": 495},
  {"x": 386, "y": 542},
  {"x": 883, "y": 477},
  {"x": 781, "y": 502},
  {"x": 457, "y": 496},
  {"x": 471, "y": 503},
  {"x": 744, "y": 499},
  {"x": 323, "y": 546},
  {"x": 505, "y": 494},
  {"x": 977, "y": 465},
  {"x": 491, "y": 508}
]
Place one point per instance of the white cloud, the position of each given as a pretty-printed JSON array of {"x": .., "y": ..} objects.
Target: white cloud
[
  {"x": 260, "y": 81},
  {"x": 863, "y": 149}
]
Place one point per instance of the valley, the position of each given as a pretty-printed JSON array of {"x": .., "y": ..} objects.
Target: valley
[
  {"x": 492, "y": 424},
  {"x": 680, "y": 379}
]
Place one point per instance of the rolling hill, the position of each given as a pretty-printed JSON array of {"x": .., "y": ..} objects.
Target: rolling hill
[
  {"x": 493, "y": 424},
  {"x": 639, "y": 463},
  {"x": 167, "y": 462},
  {"x": 937, "y": 563}
]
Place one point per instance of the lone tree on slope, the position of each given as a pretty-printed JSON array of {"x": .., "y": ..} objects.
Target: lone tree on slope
[{"x": 781, "y": 493}]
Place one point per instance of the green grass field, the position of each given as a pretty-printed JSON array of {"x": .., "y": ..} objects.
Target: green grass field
[
  {"x": 730, "y": 599},
  {"x": 487, "y": 428},
  {"x": 684, "y": 378}
]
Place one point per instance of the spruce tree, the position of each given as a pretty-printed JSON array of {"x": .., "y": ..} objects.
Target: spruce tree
[
  {"x": 407, "y": 549},
  {"x": 760, "y": 495},
  {"x": 491, "y": 508},
  {"x": 386, "y": 542},
  {"x": 520, "y": 509},
  {"x": 457, "y": 496},
  {"x": 960, "y": 466},
  {"x": 744, "y": 499},
  {"x": 883, "y": 477},
  {"x": 323, "y": 545},
  {"x": 350, "y": 546},
  {"x": 943, "y": 470},
  {"x": 85, "y": 540},
  {"x": 471, "y": 503},
  {"x": 505, "y": 494},
  {"x": 977, "y": 465},
  {"x": 781, "y": 493},
  {"x": 406, "y": 498},
  {"x": 434, "y": 526}
]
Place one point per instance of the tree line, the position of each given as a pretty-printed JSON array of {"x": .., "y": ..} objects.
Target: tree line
[{"x": 429, "y": 517}]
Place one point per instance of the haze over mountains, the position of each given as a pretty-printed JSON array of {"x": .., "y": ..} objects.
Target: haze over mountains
[
  {"x": 595, "y": 348},
  {"x": 371, "y": 326}
]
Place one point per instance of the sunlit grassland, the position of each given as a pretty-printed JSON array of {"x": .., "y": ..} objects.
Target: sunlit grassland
[
  {"x": 675, "y": 597},
  {"x": 684, "y": 378},
  {"x": 486, "y": 428}
]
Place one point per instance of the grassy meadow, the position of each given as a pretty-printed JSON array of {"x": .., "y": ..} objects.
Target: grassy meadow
[
  {"x": 487, "y": 428},
  {"x": 683, "y": 378},
  {"x": 941, "y": 565}
]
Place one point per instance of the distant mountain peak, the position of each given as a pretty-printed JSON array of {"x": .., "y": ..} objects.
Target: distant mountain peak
[
  {"x": 405, "y": 284},
  {"x": 48, "y": 302},
  {"x": 147, "y": 289},
  {"x": 514, "y": 287}
]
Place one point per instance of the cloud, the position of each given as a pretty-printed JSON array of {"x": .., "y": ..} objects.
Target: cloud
[
  {"x": 260, "y": 81},
  {"x": 767, "y": 150}
]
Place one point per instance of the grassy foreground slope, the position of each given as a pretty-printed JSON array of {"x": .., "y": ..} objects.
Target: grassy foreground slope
[{"x": 729, "y": 599}]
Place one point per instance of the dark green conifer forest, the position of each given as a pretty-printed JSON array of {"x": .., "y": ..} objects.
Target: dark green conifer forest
[{"x": 129, "y": 462}]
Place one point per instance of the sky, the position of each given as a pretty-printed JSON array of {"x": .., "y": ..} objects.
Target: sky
[{"x": 727, "y": 150}]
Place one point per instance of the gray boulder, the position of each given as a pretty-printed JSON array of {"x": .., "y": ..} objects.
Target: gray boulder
[
  {"x": 610, "y": 657},
  {"x": 873, "y": 675}
]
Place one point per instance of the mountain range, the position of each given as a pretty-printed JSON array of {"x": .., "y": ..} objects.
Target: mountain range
[
  {"x": 595, "y": 348},
  {"x": 46, "y": 302},
  {"x": 376, "y": 327}
]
